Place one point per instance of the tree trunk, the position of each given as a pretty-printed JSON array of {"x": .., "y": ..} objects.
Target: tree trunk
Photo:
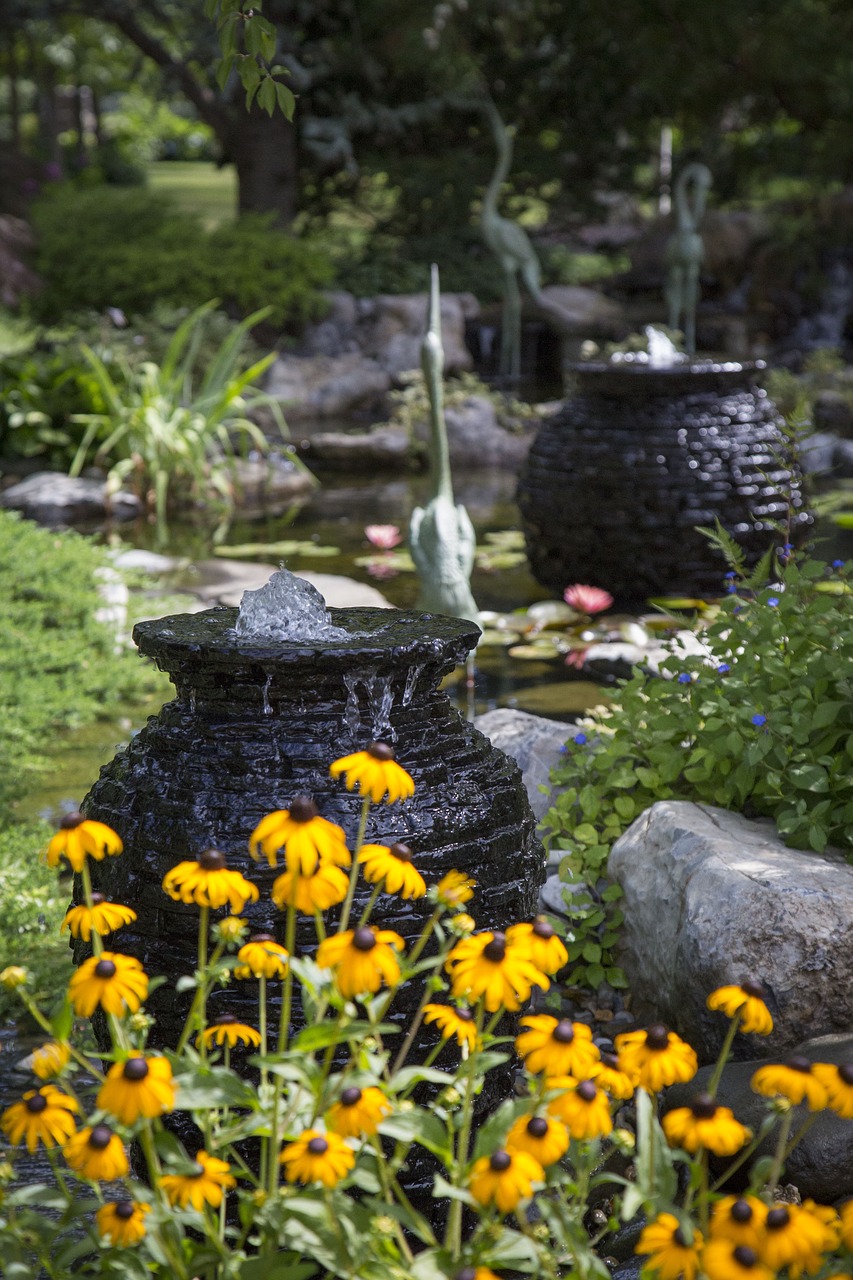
[{"x": 263, "y": 150}]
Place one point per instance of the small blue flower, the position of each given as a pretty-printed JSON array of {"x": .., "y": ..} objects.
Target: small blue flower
[
  {"x": 772, "y": 602},
  {"x": 758, "y": 719},
  {"x": 838, "y": 564},
  {"x": 730, "y": 588},
  {"x": 727, "y": 576},
  {"x": 685, "y": 678},
  {"x": 723, "y": 668},
  {"x": 580, "y": 739}
]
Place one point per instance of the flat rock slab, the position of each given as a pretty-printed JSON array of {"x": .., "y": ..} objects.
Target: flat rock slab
[
  {"x": 712, "y": 898},
  {"x": 381, "y": 448},
  {"x": 53, "y": 498}
]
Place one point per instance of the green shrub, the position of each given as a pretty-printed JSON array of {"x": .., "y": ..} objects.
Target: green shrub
[
  {"x": 59, "y": 665},
  {"x": 34, "y": 903},
  {"x": 762, "y": 723},
  {"x": 128, "y": 248}
]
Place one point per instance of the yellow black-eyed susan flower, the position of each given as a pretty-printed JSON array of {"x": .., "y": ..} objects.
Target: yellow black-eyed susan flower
[
  {"x": 358, "y": 1112},
  {"x": 670, "y": 1254},
  {"x": 583, "y": 1108},
  {"x": 376, "y": 774},
  {"x": 794, "y": 1080},
  {"x": 306, "y": 838},
  {"x": 43, "y": 1115},
  {"x": 487, "y": 965},
  {"x": 122, "y": 1222},
  {"x": 845, "y": 1214},
  {"x": 363, "y": 959},
  {"x": 505, "y": 1178},
  {"x": 116, "y": 983},
  {"x": 829, "y": 1220},
  {"x": 455, "y": 889},
  {"x": 208, "y": 883},
  {"x": 226, "y": 1030},
  {"x": 317, "y": 1157},
  {"x": 656, "y": 1057},
  {"x": 49, "y": 1059},
  {"x": 793, "y": 1238},
  {"x": 462, "y": 924},
  {"x": 740, "y": 1220},
  {"x": 231, "y": 929},
  {"x": 610, "y": 1077},
  {"x": 556, "y": 1046},
  {"x": 723, "y": 1260},
  {"x": 79, "y": 838},
  {"x": 705, "y": 1124},
  {"x": 458, "y": 1022},
  {"x": 837, "y": 1080},
  {"x": 96, "y": 1153},
  {"x": 14, "y": 976},
  {"x": 745, "y": 1002},
  {"x": 542, "y": 1137},
  {"x": 393, "y": 866},
  {"x": 546, "y": 946},
  {"x": 325, "y": 888},
  {"x": 261, "y": 957},
  {"x": 141, "y": 1086},
  {"x": 102, "y": 918},
  {"x": 206, "y": 1184}
]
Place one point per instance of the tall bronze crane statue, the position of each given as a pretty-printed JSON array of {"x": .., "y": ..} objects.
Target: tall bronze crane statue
[
  {"x": 685, "y": 251},
  {"x": 441, "y": 536},
  {"x": 511, "y": 246}
]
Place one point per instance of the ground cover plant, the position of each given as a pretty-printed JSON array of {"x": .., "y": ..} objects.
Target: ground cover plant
[
  {"x": 298, "y": 1169},
  {"x": 760, "y": 721}
]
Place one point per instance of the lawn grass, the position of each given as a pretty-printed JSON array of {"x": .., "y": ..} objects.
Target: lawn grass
[{"x": 197, "y": 186}]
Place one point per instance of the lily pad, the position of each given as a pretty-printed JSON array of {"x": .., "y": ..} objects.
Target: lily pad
[
  {"x": 565, "y": 697},
  {"x": 267, "y": 550},
  {"x": 552, "y": 613}
]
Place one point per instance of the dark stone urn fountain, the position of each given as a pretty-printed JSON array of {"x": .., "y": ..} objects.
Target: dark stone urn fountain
[
  {"x": 617, "y": 482},
  {"x": 255, "y": 723}
]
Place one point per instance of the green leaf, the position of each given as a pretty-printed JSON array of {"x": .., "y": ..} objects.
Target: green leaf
[
  {"x": 809, "y": 777},
  {"x": 63, "y": 1020},
  {"x": 418, "y": 1126},
  {"x": 328, "y": 1033},
  {"x": 267, "y": 95}
]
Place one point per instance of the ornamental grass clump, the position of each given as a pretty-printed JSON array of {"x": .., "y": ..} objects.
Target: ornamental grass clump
[
  {"x": 311, "y": 1135},
  {"x": 759, "y": 720}
]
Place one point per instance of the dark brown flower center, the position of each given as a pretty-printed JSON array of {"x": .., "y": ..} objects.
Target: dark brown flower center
[
  {"x": 680, "y": 1238},
  {"x": 211, "y": 860},
  {"x": 495, "y": 951},
  {"x": 401, "y": 851},
  {"x": 36, "y": 1104},
  {"x": 100, "y": 1137},
  {"x": 741, "y": 1211},
  {"x": 744, "y": 1256},
  {"x": 225, "y": 1020},
  {"x": 587, "y": 1090},
  {"x": 318, "y": 1147},
  {"x": 500, "y": 1161},
  {"x": 703, "y": 1106},
  {"x": 97, "y": 899},
  {"x": 657, "y": 1037},
  {"x": 303, "y": 809},
  {"x": 799, "y": 1063},
  {"x": 135, "y": 1069},
  {"x": 777, "y": 1219},
  {"x": 381, "y": 751},
  {"x": 364, "y": 939},
  {"x": 846, "y": 1072},
  {"x": 537, "y": 1127},
  {"x": 262, "y": 937},
  {"x": 105, "y": 969},
  {"x": 564, "y": 1032},
  {"x": 467, "y": 1273},
  {"x": 610, "y": 1060},
  {"x": 465, "y": 1015},
  {"x": 71, "y": 820},
  {"x": 124, "y": 1210},
  {"x": 753, "y": 988},
  {"x": 350, "y": 1096},
  {"x": 542, "y": 929}
]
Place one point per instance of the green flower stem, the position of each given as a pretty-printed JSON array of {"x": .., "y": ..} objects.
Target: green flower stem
[
  {"x": 742, "y": 1158},
  {"x": 283, "y": 1036},
  {"x": 410, "y": 1035},
  {"x": 544, "y": 1256},
  {"x": 453, "y": 1234},
  {"x": 50, "y": 1152},
  {"x": 320, "y": 926},
  {"x": 723, "y": 1058},
  {"x": 353, "y": 880},
  {"x": 167, "y": 1232},
  {"x": 371, "y": 902},
  {"x": 800, "y": 1134},
  {"x": 197, "y": 1013},
  {"x": 80, "y": 1058},
  {"x": 704, "y": 1196},
  {"x": 779, "y": 1153},
  {"x": 388, "y": 1193},
  {"x": 86, "y": 881},
  {"x": 262, "y": 1028},
  {"x": 416, "y": 950}
]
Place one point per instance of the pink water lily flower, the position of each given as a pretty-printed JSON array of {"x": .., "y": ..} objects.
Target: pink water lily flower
[
  {"x": 587, "y": 599},
  {"x": 385, "y": 536}
]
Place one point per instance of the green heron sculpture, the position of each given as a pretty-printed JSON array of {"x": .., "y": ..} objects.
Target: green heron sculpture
[
  {"x": 441, "y": 536},
  {"x": 685, "y": 251}
]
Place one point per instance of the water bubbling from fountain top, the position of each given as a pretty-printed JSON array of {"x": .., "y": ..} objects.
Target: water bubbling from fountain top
[{"x": 286, "y": 608}]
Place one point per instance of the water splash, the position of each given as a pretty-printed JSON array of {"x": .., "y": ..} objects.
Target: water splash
[
  {"x": 286, "y": 608},
  {"x": 379, "y": 695},
  {"x": 663, "y": 352}
]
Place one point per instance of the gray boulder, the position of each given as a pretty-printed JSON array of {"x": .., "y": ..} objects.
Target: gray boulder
[
  {"x": 377, "y": 449},
  {"x": 533, "y": 742},
  {"x": 53, "y": 498},
  {"x": 712, "y": 898},
  {"x": 475, "y": 438},
  {"x": 326, "y": 386}
]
